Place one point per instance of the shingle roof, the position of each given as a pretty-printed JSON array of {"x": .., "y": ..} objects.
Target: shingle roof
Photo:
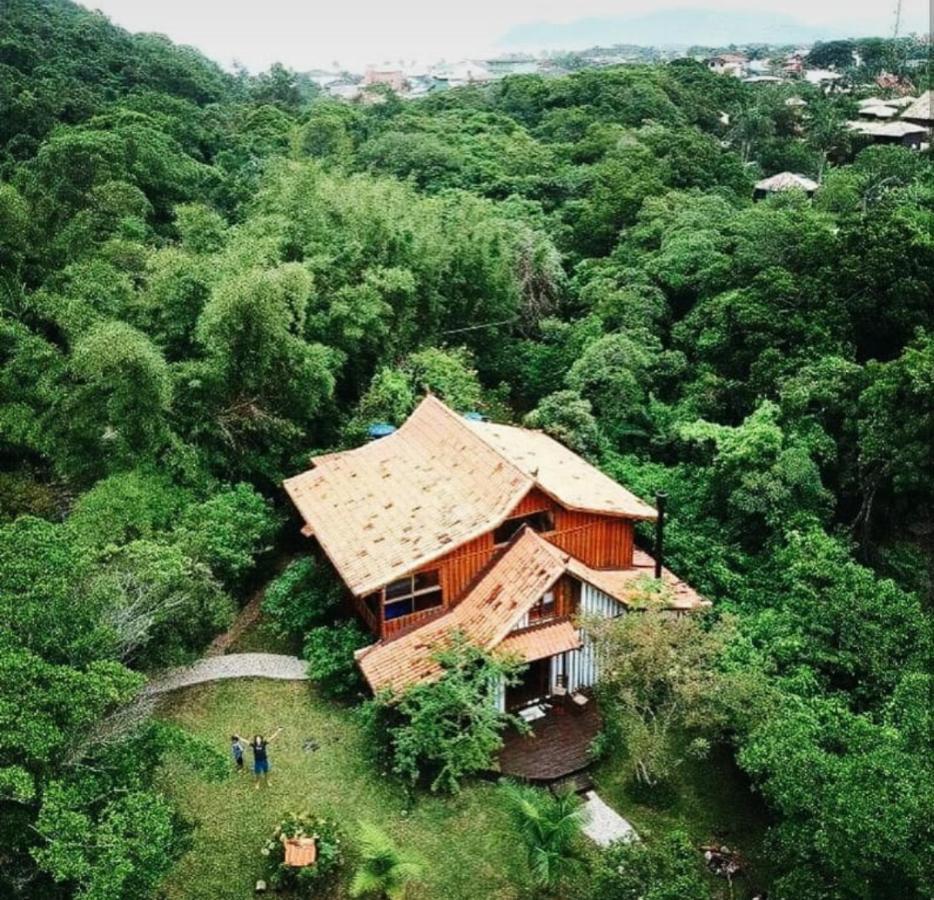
[
  {"x": 393, "y": 505},
  {"x": 921, "y": 108},
  {"x": 886, "y": 129},
  {"x": 787, "y": 181},
  {"x": 504, "y": 593},
  {"x": 509, "y": 587},
  {"x": 540, "y": 643}
]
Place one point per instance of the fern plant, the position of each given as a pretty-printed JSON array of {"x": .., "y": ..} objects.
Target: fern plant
[
  {"x": 383, "y": 871},
  {"x": 550, "y": 826}
]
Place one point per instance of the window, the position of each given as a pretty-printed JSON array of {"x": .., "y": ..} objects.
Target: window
[
  {"x": 414, "y": 593},
  {"x": 544, "y": 609},
  {"x": 539, "y": 521}
]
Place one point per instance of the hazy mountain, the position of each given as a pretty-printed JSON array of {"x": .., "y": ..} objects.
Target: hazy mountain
[{"x": 708, "y": 27}]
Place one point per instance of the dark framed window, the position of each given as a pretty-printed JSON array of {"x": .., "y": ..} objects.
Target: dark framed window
[
  {"x": 414, "y": 593},
  {"x": 539, "y": 521},
  {"x": 544, "y": 609}
]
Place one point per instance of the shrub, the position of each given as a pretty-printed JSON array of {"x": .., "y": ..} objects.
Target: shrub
[
  {"x": 446, "y": 729},
  {"x": 667, "y": 869},
  {"x": 304, "y": 596},
  {"x": 383, "y": 871},
  {"x": 308, "y": 879},
  {"x": 330, "y": 654}
]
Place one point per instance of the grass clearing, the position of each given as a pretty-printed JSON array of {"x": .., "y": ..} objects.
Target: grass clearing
[{"x": 467, "y": 843}]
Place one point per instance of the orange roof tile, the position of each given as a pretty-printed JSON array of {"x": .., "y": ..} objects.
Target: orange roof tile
[
  {"x": 540, "y": 643},
  {"x": 514, "y": 582},
  {"x": 393, "y": 505},
  {"x": 561, "y": 473},
  {"x": 619, "y": 583},
  {"x": 504, "y": 593}
]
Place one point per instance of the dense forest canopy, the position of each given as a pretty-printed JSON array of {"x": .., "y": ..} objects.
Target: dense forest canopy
[{"x": 204, "y": 277}]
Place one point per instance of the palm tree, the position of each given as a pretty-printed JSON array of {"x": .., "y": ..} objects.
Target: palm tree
[
  {"x": 383, "y": 870},
  {"x": 550, "y": 825}
]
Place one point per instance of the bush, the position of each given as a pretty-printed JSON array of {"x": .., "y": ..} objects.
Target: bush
[
  {"x": 309, "y": 879},
  {"x": 330, "y": 655},
  {"x": 304, "y": 596},
  {"x": 667, "y": 869},
  {"x": 446, "y": 729}
]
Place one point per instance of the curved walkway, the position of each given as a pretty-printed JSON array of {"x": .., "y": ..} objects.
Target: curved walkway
[{"x": 233, "y": 665}]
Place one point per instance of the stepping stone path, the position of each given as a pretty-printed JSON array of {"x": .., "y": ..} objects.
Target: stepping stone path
[
  {"x": 233, "y": 665},
  {"x": 603, "y": 824}
]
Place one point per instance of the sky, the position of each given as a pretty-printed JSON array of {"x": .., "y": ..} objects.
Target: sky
[{"x": 305, "y": 34}]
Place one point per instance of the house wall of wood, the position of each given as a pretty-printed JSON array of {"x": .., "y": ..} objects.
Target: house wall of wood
[{"x": 604, "y": 542}]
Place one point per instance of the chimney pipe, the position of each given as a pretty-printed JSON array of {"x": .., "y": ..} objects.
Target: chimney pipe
[{"x": 661, "y": 498}]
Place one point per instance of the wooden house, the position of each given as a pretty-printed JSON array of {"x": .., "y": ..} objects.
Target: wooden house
[{"x": 453, "y": 525}]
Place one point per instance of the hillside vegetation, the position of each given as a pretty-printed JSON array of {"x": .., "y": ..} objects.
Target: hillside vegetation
[{"x": 205, "y": 277}]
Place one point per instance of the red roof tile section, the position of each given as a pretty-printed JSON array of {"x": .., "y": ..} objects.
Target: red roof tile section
[
  {"x": 540, "y": 643},
  {"x": 393, "y": 505},
  {"x": 489, "y": 611}
]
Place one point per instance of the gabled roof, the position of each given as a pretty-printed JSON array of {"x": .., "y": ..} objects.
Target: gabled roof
[
  {"x": 787, "y": 181},
  {"x": 516, "y": 579},
  {"x": 921, "y": 108},
  {"x": 504, "y": 593},
  {"x": 561, "y": 473},
  {"x": 391, "y": 506}
]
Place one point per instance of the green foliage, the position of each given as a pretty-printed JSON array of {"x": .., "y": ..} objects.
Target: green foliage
[
  {"x": 444, "y": 730},
  {"x": 305, "y": 595},
  {"x": 383, "y": 870},
  {"x": 667, "y": 868},
  {"x": 227, "y": 532},
  {"x": 659, "y": 679},
  {"x": 551, "y": 826},
  {"x": 329, "y": 840},
  {"x": 126, "y": 506},
  {"x": 331, "y": 662},
  {"x": 206, "y": 275}
]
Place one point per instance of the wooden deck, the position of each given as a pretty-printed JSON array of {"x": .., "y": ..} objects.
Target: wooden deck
[{"x": 556, "y": 747}]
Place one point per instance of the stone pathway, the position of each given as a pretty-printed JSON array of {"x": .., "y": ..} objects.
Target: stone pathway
[
  {"x": 233, "y": 665},
  {"x": 603, "y": 824}
]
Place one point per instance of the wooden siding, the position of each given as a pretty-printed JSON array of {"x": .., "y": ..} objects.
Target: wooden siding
[
  {"x": 459, "y": 567},
  {"x": 603, "y": 542}
]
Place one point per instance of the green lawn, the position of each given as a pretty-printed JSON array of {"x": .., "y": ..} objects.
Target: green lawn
[{"x": 467, "y": 843}]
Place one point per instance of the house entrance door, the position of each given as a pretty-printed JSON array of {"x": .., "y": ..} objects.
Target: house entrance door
[{"x": 533, "y": 687}]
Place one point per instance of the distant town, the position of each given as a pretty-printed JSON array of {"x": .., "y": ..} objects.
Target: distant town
[{"x": 753, "y": 64}]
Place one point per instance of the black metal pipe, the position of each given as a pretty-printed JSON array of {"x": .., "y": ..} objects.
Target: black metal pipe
[{"x": 661, "y": 498}]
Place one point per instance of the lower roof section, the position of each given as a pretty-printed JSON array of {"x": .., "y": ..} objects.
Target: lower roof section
[
  {"x": 487, "y": 614},
  {"x": 532, "y": 644}
]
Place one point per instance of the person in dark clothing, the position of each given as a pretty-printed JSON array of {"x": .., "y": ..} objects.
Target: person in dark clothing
[
  {"x": 236, "y": 749},
  {"x": 259, "y": 746}
]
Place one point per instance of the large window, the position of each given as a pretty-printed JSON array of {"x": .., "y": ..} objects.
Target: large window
[
  {"x": 411, "y": 594},
  {"x": 539, "y": 521}
]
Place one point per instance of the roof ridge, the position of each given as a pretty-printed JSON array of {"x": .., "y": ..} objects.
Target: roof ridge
[{"x": 463, "y": 423}]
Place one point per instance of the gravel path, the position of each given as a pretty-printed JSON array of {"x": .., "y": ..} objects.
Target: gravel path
[
  {"x": 603, "y": 824},
  {"x": 233, "y": 665}
]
